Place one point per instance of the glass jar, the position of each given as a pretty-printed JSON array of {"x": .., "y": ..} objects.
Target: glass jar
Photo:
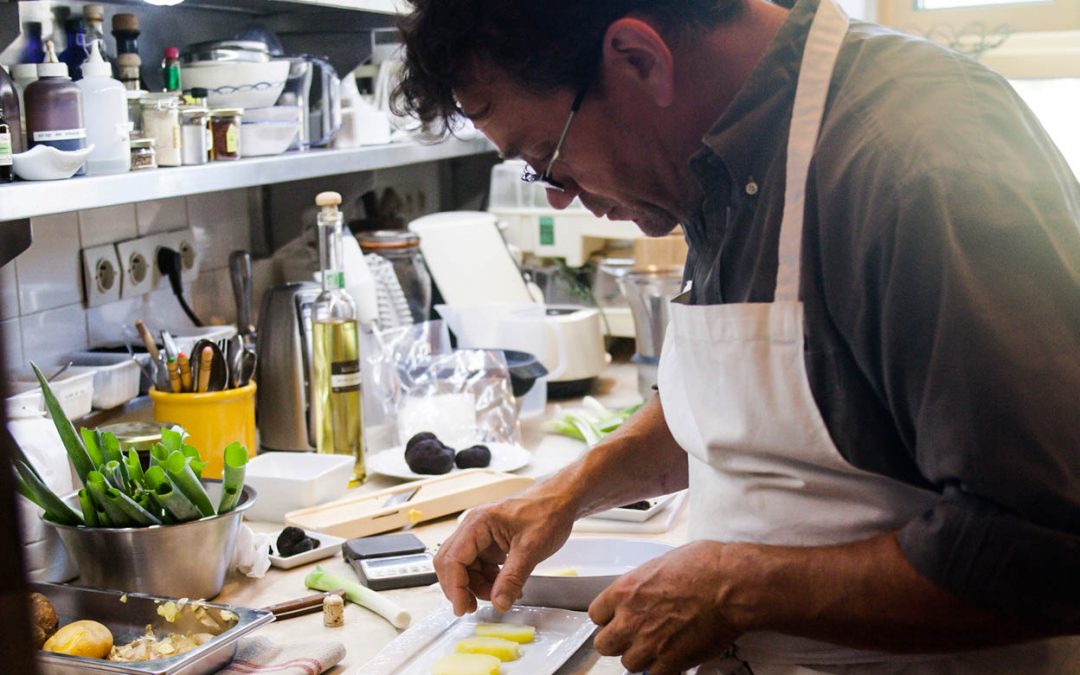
[
  {"x": 143, "y": 155},
  {"x": 195, "y": 135},
  {"x": 134, "y": 106},
  {"x": 161, "y": 122},
  {"x": 225, "y": 134},
  {"x": 402, "y": 250}
]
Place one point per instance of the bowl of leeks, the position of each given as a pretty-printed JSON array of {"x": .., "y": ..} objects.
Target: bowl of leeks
[{"x": 159, "y": 529}]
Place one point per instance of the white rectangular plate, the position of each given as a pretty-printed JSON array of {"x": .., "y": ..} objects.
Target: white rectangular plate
[
  {"x": 329, "y": 545},
  {"x": 656, "y": 504},
  {"x": 559, "y": 634}
]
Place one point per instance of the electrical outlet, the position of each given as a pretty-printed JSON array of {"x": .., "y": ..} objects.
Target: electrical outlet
[
  {"x": 136, "y": 267},
  {"x": 101, "y": 275},
  {"x": 185, "y": 243}
]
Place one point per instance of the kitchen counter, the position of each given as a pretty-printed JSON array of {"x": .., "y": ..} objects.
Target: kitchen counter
[{"x": 365, "y": 633}]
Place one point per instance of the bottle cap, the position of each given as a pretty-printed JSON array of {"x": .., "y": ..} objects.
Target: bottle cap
[
  {"x": 328, "y": 201},
  {"x": 51, "y": 67},
  {"x": 24, "y": 71},
  {"x": 94, "y": 12},
  {"x": 172, "y": 53},
  {"x": 94, "y": 65},
  {"x": 126, "y": 22}
]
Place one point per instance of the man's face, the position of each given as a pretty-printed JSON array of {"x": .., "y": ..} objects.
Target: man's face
[{"x": 606, "y": 158}]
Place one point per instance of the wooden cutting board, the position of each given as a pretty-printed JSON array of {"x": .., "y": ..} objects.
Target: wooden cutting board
[{"x": 367, "y": 514}]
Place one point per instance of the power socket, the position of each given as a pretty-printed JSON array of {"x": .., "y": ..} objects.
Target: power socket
[
  {"x": 102, "y": 278},
  {"x": 190, "y": 260},
  {"x": 136, "y": 267},
  {"x": 154, "y": 243}
]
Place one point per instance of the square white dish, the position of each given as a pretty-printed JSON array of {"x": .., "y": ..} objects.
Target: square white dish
[
  {"x": 286, "y": 481},
  {"x": 329, "y": 545},
  {"x": 559, "y": 634},
  {"x": 656, "y": 505}
]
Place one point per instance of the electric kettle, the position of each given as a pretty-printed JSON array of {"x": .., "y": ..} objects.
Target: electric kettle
[
  {"x": 314, "y": 86},
  {"x": 284, "y": 395}
]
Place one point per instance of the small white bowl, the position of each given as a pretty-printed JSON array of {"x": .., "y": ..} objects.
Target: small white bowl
[
  {"x": 44, "y": 162},
  {"x": 267, "y": 138},
  {"x": 287, "y": 481},
  {"x": 597, "y": 562}
]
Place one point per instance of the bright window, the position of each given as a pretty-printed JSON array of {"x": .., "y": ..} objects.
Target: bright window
[
  {"x": 956, "y": 4},
  {"x": 1056, "y": 102}
]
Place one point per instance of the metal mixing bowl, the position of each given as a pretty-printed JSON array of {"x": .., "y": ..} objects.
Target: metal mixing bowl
[{"x": 188, "y": 560}]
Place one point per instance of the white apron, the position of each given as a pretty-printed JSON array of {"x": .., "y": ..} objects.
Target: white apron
[{"x": 763, "y": 467}]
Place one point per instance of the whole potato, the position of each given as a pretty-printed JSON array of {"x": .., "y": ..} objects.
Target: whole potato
[
  {"x": 45, "y": 619},
  {"x": 81, "y": 638}
]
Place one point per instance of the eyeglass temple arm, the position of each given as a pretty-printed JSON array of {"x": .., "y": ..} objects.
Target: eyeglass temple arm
[{"x": 574, "y": 107}]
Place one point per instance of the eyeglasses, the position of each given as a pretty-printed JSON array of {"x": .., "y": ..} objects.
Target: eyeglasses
[{"x": 545, "y": 179}]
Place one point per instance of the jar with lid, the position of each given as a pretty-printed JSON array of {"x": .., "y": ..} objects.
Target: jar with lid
[
  {"x": 195, "y": 134},
  {"x": 402, "y": 250},
  {"x": 161, "y": 122},
  {"x": 143, "y": 155},
  {"x": 225, "y": 134},
  {"x": 134, "y": 106}
]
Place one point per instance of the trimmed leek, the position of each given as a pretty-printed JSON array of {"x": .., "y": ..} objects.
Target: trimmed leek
[
  {"x": 134, "y": 467},
  {"x": 172, "y": 500},
  {"x": 98, "y": 489},
  {"x": 72, "y": 442},
  {"x": 110, "y": 448},
  {"x": 112, "y": 474},
  {"x": 321, "y": 580},
  {"x": 159, "y": 454},
  {"x": 233, "y": 476},
  {"x": 88, "y": 509},
  {"x": 196, "y": 463},
  {"x": 179, "y": 471},
  {"x": 93, "y": 447},
  {"x": 116, "y": 501},
  {"x": 32, "y": 487}
]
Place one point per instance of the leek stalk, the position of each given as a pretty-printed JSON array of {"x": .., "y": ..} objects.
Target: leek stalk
[
  {"x": 321, "y": 580},
  {"x": 179, "y": 471},
  {"x": 233, "y": 476}
]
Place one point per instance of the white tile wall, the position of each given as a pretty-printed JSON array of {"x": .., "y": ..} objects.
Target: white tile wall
[
  {"x": 42, "y": 311},
  {"x": 104, "y": 226},
  {"x": 49, "y": 272}
]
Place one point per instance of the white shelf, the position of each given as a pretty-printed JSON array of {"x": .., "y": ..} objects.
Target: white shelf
[
  {"x": 38, "y": 198},
  {"x": 377, "y": 6}
]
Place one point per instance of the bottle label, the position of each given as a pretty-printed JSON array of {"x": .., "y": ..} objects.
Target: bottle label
[
  {"x": 334, "y": 280},
  {"x": 59, "y": 135},
  {"x": 5, "y": 149},
  {"x": 344, "y": 376},
  {"x": 232, "y": 139}
]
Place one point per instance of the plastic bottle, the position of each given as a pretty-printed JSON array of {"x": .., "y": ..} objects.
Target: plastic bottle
[
  {"x": 104, "y": 102},
  {"x": 9, "y": 101},
  {"x": 125, "y": 28},
  {"x": 170, "y": 70},
  {"x": 54, "y": 113}
]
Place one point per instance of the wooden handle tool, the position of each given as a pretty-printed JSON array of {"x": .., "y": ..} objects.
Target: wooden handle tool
[
  {"x": 174, "y": 376},
  {"x": 306, "y": 605},
  {"x": 206, "y": 362},
  {"x": 148, "y": 340},
  {"x": 185, "y": 372}
]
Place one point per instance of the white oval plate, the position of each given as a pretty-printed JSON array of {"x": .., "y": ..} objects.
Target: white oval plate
[{"x": 391, "y": 462}]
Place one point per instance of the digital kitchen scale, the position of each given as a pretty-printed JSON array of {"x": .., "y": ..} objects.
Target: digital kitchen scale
[{"x": 390, "y": 561}]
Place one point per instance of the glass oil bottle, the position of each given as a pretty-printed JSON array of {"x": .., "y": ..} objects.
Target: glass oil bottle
[{"x": 336, "y": 349}]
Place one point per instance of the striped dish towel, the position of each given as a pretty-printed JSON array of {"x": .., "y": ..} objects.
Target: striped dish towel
[{"x": 260, "y": 655}]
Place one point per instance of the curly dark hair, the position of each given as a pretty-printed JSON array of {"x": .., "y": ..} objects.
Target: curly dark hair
[{"x": 544, "y": 45}]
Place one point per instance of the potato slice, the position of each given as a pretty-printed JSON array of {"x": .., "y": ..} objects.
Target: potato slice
[
  {"x": 467, "y": 664},
  {"x": 504, "y": 650},
  {"x": 81, "y": 638},
  {"x": 507, "y": 631}
]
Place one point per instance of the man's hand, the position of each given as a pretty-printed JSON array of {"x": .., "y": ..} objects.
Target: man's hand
[
  {"x": 667, "y": 615},
  {"x": 517, "y": 533}
]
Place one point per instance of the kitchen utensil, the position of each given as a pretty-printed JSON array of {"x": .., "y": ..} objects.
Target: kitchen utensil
[
  {"x": 309, "y": 604},
  {"x": 59, "y": 372},
  {"x": 126, "y": 615},
  {"x": 171, "y": 348},
  {"x": 240, "y": 273},
  {"x": 248, "y": 361},
  {"x": 288, "y": 481},
  {"x": 212, "y": 420},
  {"x": 597, "y": 563},
  {"x": 158, "y": 560},
  {"x": 649, "y": 293},
  {"x": 391, "y": 462},
  {"x": 559, "y": 635},
  {"x": 284, "y": 345},
  {"x": 363, "y": 515},
  {"x": 44, "y": 162},
  {"x": 219, "y": 369},
  {"x": 328, "y": 547},
  {"x": 234, "y": 356}
]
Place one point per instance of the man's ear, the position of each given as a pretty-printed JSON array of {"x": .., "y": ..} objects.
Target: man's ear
[{"x": 636, "y": 55}]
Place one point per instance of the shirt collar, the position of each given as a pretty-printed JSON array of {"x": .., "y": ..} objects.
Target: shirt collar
[{"x": 765, "y": 98}]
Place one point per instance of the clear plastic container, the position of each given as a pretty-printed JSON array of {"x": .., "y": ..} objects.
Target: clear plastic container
[
  {"x": 402, "y": 250},
  {"x": 74, "y": 388},
  {"x": 116, "y": 378}
]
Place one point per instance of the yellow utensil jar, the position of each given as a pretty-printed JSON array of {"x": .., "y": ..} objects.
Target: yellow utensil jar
[{"x": 212, "y": 420}]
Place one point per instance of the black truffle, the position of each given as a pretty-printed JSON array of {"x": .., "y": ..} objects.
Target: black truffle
[
  {"x": 293, "y": 540},
  {"x": 476, "y": 457},
  {"x": 422, "y": 436},
  {"x": 429, "y": 456}
]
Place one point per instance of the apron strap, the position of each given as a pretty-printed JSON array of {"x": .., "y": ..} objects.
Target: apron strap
[{"x": 815, "y": 72}]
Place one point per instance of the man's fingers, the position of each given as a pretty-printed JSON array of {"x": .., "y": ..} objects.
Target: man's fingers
[
  {"x": 479, "y": 584},
  {"x": 602, "y": 608},
  {"x": 454, "y": 559},
  {"x": 613, "y": 639},
  {"x": 507, "y": 588}
]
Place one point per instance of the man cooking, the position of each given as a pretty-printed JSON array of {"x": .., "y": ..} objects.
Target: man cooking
[{"x": 872, "y": 384}]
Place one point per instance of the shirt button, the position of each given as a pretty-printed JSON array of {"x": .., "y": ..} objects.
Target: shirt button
[{"x": 751, "y": 188}]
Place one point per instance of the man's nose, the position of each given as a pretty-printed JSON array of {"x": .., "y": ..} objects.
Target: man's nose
[{"x": 560, "y": 199}]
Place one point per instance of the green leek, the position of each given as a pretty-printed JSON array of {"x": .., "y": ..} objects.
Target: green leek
[
  {"x": 236, "y": 457},
  {"x": 321, "y": 580},
  {"x": 72, "y": 442},
  {"x": 172, "y": 500},
  {"x": 179, "y": 470}
]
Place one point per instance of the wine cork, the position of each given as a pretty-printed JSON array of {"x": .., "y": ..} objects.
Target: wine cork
[
  {"x": 327, "y": 199},
  {"x": 333, "y": 611}
]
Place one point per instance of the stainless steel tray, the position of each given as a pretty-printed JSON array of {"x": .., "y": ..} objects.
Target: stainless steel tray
[{"x": 127, "y": 621}]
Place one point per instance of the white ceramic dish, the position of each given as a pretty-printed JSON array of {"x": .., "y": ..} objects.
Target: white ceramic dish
[
  {"x": 286, "y": 481},
  {"x": 44, "y": 162},
  {"x": 656, "y": 505},
  {"x": 328, "y": 547},
  {"x": 267, "y": 138},
  {"x": 597, "y": 561},
  {"x": 238, "y": 84},
  {"x": 559, "y": 634},
  {"x": 660, "y": 523},
  {"x": 391, "y": 462}
]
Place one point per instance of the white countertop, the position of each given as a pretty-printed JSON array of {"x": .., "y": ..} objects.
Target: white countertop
[{"x": 365, "y": 633}]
